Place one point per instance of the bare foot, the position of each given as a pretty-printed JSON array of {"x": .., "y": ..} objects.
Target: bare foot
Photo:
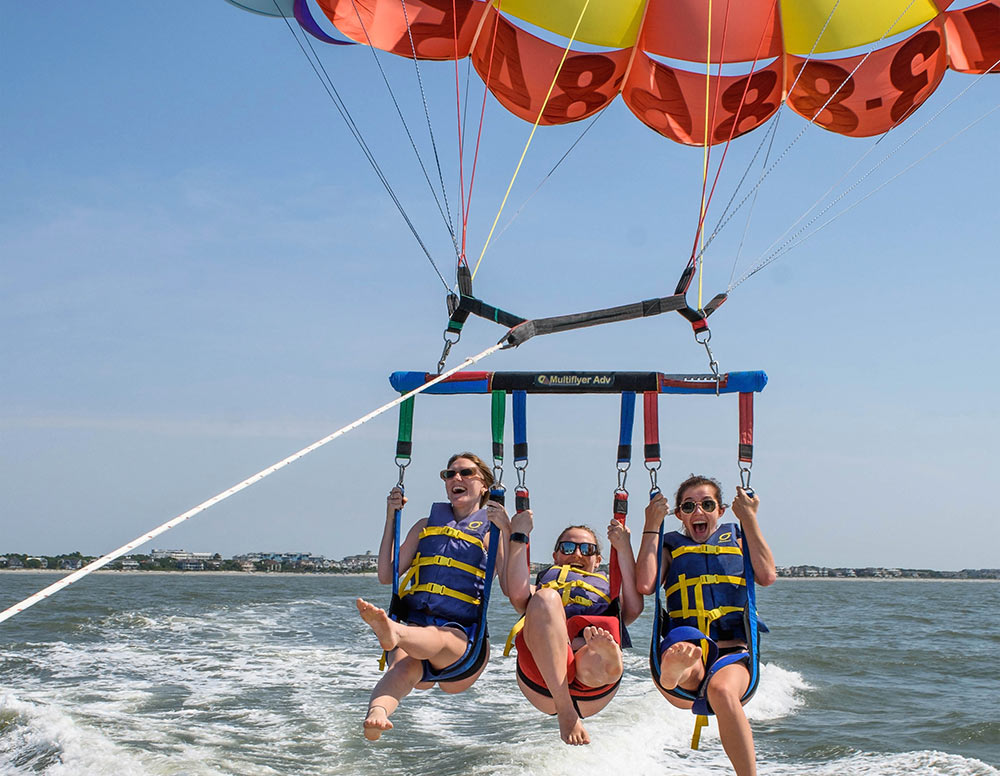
[
  {"x": 680, "y": 661},
  {"x": 571, "y": 729},
  {"x": 599, "y": 660},
  {"x": 376, "y": 723},
  {"x": 379, "y": 621}
]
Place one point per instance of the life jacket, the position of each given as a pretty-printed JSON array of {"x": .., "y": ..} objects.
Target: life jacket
[
  {"x": 447, "y": 574},
  {"x": 705, "y": 587},
  {"x": 583, "y": 592}
]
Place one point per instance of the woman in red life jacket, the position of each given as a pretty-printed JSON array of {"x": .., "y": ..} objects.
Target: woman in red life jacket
[
  {"x": 569, "y": 658},
  {"x": 442, "y": 567}
]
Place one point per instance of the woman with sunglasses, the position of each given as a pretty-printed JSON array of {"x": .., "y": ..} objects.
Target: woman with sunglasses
[
  {"x": 706, "y": 550},
  {"x": 442, "y": 567},
  {"x": 569, "y": 658}
]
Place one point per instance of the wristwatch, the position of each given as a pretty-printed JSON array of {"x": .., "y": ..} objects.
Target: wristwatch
[{"x": 520, "y": 538}]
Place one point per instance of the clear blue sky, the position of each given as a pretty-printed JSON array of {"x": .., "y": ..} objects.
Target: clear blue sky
[{"x": 201, "y": 275}]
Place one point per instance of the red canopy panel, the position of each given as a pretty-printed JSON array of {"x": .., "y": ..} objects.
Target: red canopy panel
[
  {"x": 432, "y": 22},
  {"x": 678, "y": 29},
  {"x": 518, "y": 68},
  {"x": 887, "y": 87},
  {"x": 672, "y": 101},
  {"x": 974, "y": 38}
]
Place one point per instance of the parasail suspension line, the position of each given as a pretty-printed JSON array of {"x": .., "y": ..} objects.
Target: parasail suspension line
[
  {"x": 30, "y": 601},
  {"x": 327, "y": 83},
  {"x": 531, "y": 135},
  {"x": 705, "y": 154},
  {"x": 446, "y": 217}
]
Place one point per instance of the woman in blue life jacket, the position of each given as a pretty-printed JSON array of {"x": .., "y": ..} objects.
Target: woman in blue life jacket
[
  {"x": 569, "y": 657},
  {"x": 707, "y": 548},
  {"x": 442, "y": 567}
]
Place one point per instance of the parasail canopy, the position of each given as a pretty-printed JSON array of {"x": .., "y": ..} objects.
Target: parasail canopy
[{"x": 856, "y": 67}]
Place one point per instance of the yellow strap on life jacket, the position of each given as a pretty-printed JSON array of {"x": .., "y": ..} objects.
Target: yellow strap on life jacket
[
  {"x": 685, "y": 582},
  {"x": 705, "y": 549},
  {"x": 700, "y": 721},
  {"x": 518, "y": 627},
  {"x": 436, "y": 589},
  {"x": 454, "y": 533},
  {"x": 565, "y": 586},
  {"x": 412, "y": 575},
  {"x": 444, "y": 560},
  {"x": 705, "y": 617}
]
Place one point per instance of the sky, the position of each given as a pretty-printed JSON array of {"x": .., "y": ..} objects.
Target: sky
[{"x": 200, "y": 274}]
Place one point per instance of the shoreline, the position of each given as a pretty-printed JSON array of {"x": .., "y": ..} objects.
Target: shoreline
[
  {"x": 160, "y": 572},
  {"x": 157, "y": 572}
]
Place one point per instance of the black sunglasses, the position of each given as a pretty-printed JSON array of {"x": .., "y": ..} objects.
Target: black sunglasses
[
  {"x": 568, "y": 548},
  {"x": 447, "y": 474},
  {"x": 707, "y": 505}
]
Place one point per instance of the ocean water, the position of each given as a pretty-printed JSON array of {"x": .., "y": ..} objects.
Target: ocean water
[{"x": 269, "y": 674}]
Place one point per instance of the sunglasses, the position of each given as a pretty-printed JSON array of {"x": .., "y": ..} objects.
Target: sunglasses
[
  {"x": 707, "y": 505},
  {"x": 447, "y": 474},
  {"x": 568, "y": 548}
]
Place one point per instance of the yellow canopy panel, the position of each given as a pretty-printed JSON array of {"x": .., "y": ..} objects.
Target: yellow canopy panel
[
  {"x": 610, "y": 23},
  {"x": 852, "y": 23}
]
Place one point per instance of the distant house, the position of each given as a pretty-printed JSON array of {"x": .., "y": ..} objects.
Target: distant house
[
  {"x": 191, "y": 565},
  {"x": 42, "y": 563},
  {"x": 366, "y": 562},
  {"x": 70, "y": 564},
  {"x": 130, "y": 565},
  {"x": 15, "y": 563}
]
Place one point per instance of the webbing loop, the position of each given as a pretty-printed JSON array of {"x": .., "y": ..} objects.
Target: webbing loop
[
  {"x": 625, "y": 432},
  {"x": 498, "y": 418},
  {"x": 746, "y": 441}
]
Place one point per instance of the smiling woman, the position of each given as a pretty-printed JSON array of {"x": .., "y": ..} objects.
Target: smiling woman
[
  {"x": 569, "y": 656},
  {"x": 433, "y": 632}
]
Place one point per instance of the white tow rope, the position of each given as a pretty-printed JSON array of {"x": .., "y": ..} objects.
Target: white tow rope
[{"x": 6, "y": 614}]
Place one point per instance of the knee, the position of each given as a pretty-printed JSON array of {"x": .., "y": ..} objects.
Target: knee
[
  {"x": 724, "y": 696},
  {"x": 544, "y": 603}
]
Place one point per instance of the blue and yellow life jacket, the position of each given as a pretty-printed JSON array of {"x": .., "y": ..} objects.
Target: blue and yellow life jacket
[
  {"x": 705, "y": 587},
  {"x": 447, "y": 574},
  {"x": 583, "y": 592}
]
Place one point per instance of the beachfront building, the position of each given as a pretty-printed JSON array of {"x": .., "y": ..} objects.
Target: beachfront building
[{"x": 366, "y": 562}]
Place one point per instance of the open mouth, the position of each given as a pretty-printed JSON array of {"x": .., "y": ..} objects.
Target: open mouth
[{"x": 699, "y": 527}]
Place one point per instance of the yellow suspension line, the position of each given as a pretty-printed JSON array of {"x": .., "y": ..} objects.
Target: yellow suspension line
[
  {"x": 704, "y": 165},
  {"x": 524, "y": 153}
]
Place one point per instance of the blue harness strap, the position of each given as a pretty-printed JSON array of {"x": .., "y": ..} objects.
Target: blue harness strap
[{"x": 661, "y": 641}]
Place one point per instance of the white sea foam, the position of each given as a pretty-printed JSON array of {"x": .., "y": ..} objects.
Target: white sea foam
[{"x": 44, "y": 739}]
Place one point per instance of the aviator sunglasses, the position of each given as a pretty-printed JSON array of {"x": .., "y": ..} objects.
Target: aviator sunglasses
[
  {"x": 568, "y": 548},
  {"x": 447, "y": 474},
  {"x": 707, "y": 505}
]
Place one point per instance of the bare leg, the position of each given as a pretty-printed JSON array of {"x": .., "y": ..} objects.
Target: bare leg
[
  {"x": 546, "y": 636},
  {"x": 441, "y": 646},
  {"x": 401, "y": 677},
  {"x": 725, "y": 689},
  {"x": 599, "y": 660}
]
